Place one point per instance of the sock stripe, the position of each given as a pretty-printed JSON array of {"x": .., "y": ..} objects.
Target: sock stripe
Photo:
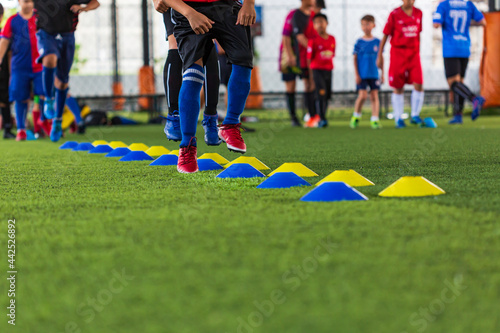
[
  {"x": 193, "y": 71},
  {"x": 194, "y": 79}
]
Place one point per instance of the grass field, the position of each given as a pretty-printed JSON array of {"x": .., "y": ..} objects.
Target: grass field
[{"x": 103, "y": 246}]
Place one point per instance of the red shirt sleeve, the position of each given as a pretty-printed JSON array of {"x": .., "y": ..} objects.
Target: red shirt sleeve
[
  {"x": 421, "y": 22},
  {"x": 7, "y": 29},
  {"x": 389, "y": 26},
  {"x": 310, "y": 49}
]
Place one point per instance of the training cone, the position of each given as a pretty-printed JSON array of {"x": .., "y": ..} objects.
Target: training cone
[
  {"x": 69, "y": 145},
  {"x": 119, "y": 152},
  {"x": 156, "y": 151},
  {"x": 297, "y": 168},
  {"x": 138, "y": 147},
  {"x": 174, "y": 152},
  {"x": 412, "y": 187},
  {"x": 283, "y": 180},
  {"x": 350, "y": 177},
  {"x": 84, "y": 146},
  {"x": 240, "y": 170},
  {"x": 214, "y": 156},
  {"x": 101, "y": 149},
  {"x": 135, "y": 156},
  {"x": 30, "y": 136},
  {"x": 208, "y": 164},
  {"x": 165, "y": 160},
  {"x": 117, "y": 144},
  {"x": 334, "y": 191},
  {"x": 248, "y": 160},
  {"x": 430, "y": 123},
  {"x": 99, "y": 143}
]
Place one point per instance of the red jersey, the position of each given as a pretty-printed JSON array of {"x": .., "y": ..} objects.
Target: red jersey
[
  {"x": 321, "y": 53},
  {"x": 404, "y": 29}
]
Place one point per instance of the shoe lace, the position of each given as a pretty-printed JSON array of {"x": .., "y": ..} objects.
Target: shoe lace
[
  {"x": 188, "y": 154},
  {"x": 234, "y": 131}
]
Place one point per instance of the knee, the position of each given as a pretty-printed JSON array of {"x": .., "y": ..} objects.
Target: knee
[
  {"x": 50, "y": 61},
  {"x": 362, "y": 95}
]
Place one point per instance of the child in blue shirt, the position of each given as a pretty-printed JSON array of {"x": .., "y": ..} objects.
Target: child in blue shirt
[
  {"x": 455, "y": 17},
  {"x": 367, "y": 75}
]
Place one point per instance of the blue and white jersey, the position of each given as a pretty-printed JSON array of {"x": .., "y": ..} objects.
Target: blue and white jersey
[
  {"x": 367, "y": 52},
  {"x": 455, "y": 17}
]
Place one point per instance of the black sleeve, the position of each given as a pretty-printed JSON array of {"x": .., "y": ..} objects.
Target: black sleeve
[{"x": 297, "y": 25}]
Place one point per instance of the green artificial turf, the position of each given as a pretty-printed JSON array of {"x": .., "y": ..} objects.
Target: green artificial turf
[{"x": 207, "y": 255}]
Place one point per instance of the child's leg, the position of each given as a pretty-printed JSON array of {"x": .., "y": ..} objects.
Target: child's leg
[
  {"x": 360, "y": 101},
  {"x": 189, "y": 102},
  {"x": 321, "y": 96},
  {"x": 375, "y": 102},
  {"x": 73, "y": 106},
  {"x": 172, "y": 77},
  {"x": 21, "y": 108},
  {"x": 309, "y": 96},
  {"x": 417, "y": 100},
  {"x": 398, "y": 104},
  {"x": 212, "y": 83}
]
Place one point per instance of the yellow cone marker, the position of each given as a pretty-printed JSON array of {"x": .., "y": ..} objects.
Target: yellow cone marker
[
  {"x": 138, "y": 147},
  {"x": 299, "y": 169},
  {"x": 214, "y": 156},
  {"x": 174, "y": 152},
  {"x": 99, "y": 143},
  {"x": 412, "y": 187},
  {"x": 117, "y": 144},
  {"x": 249, "y": 160},
  {"x": 350, "y": 177},
  {"x": 157, "y": 151}
]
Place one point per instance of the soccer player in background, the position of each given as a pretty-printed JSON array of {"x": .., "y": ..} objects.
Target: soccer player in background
[
  {"x": 20, "y": 33},
  {"x": 197, "y": 23},
  {"x": 301, "y": 23},
  {"x": 404, "y": 27},
  {"x": 367, "y": 75},
  {"x": 455, "y": 19},
  {"x": 56, "y": 43},
  {"x": 172, "y": 80},
  {"x": 4, "y": 91},
  {"x": 320, "y": 54}
]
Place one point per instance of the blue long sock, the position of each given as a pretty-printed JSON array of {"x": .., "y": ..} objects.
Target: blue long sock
[
  {"x": 21, "y": 112},
  {"x": 60, "y": 102},
  {"x": 41, "y": 104},
  {"x": 189, "y": 102},
  {"x": 238, "y": 90},
  {"x": 72, "y": 104},
  {"x": 48, "y": 75}
]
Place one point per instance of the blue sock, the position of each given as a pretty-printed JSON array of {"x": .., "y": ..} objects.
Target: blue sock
[
  {"x": 21, "y": 112},
  {"x": 237, "y": 93},
  {"x": 72, "y": 104},
  {"x": 60, "y": 102},
  {"x": 189, "y": 102},
  {"x": 48, "y": 75},
  {"x": 41, "y": 104}
]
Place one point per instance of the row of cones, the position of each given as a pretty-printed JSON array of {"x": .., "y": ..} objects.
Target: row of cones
[{"x": 338, "y": 186}]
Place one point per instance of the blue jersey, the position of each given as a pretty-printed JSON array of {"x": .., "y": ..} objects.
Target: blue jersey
[
  {"x": 455, "y": 17},
  {"x": 367, "y": 51}
]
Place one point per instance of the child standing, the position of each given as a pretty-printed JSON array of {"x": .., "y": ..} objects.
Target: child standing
[
  {"x": 320, "y": 54},
  {"x": 404, "y": 27},
  {"x": 365, "y": 67}
]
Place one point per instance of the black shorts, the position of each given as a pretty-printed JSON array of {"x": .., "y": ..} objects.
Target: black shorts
[
  {"x": 4, "y": 96},
  {"x": 287, "y": 77},
  {"x": 455, "y": 66},
  {"x": 169, "y": 25},
  {"x": 235, "y": 39},
  {"x": 323, "y": 81},
  {"x": 225, "y": 70}
]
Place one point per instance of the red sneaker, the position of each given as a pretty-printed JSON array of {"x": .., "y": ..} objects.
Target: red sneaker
[
  {"x": 187, "y": 162},
  {"x": 46, "y": 125},
  {"x": 36, "y": 121},
  {"x": 231, "y": 135},
  {"x": 313, "y": 122},
  {"x": 21, "y": 135}
]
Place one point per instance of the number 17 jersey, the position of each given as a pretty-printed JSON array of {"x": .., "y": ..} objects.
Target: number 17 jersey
[{"x": 455, "y": 18}]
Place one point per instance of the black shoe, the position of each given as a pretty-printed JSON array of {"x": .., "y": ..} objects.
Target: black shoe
[
  {"x": 296, "y": 122},
  {"x": 7, "y": 134},
  {"x": 81, "y": 127}
]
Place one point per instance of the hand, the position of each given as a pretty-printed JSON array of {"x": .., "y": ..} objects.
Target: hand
[
  {"x": 358, "y": 79},
  {"x": 160, "y": 6},
  {"x": 292, "y": 61},
  {"x": 199, "y": 22},
  {"x": 382, "y": 79},
  {"x": 77, "y": 9},
  {"x": 247, "y": 15},
  {"x": 380, "y": 61}
]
